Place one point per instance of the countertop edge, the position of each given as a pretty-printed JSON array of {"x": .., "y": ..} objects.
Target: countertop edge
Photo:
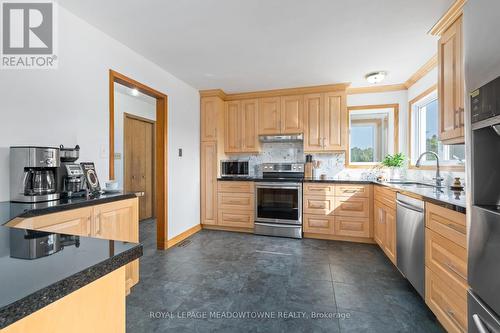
[{"x": 19, "y": 309}]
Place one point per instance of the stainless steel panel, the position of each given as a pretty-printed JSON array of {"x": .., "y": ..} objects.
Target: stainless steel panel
[
  {"x": 485, "y": 167},
  {"x": 410, "y": 246},
  {"x": 484, "y": 255},
  {"x": 278, "y": 230},
  {"x": 481, "y": 318}
]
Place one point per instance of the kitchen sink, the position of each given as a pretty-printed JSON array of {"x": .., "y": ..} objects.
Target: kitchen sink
[{"x": 411, "y": 183}]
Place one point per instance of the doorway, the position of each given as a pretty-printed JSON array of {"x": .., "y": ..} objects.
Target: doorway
[
  {"x": 152, "y": 133},
  {"x": 138, "y": 161}
]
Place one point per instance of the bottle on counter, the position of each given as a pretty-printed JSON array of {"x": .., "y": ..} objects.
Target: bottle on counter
[{"x": 308, "y": 168}]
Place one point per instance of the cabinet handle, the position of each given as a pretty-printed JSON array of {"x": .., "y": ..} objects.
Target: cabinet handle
[
  {"x": 89, "y": 233},
  {"x": 452, "y": 268},
  {"x": 452, "y": 226},
  {"x": 349, "y": 191},
  {"x": 461, "y": 116},
  {"x": 97, "y": 225},
  {"x": 451, "y": 315}
]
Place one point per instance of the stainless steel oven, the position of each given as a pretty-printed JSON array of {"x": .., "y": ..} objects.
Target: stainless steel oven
[{"x": 278, "y": 201}]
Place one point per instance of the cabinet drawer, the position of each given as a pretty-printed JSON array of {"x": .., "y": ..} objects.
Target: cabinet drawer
[
  {"x": 385, "y": 195},
  {"x": 446, "y": 259},
  {"x": 447, "y": 223},
  {"x": 238, "y": 201},
  {"x": 352, "y": 226},
  {"x": 352, "y": 207},
  {"x": 232, "y": 218},
  {"x": 319, "y": 224},
  {"x": 235, "y": 186},
  {"x": 319, "y": 205},
  {"x": 449, "y": 306},
  {"x": 347, "y": 190},
  {"x": 319, "y": 189}
]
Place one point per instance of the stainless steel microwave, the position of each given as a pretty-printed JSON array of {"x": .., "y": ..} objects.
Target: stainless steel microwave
[{"x": 234, "y": 169}]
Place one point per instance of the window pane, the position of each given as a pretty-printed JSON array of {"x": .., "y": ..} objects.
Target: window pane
[
  {"x": 362, "y": 144},
  {"x": 431, "y": 130}
]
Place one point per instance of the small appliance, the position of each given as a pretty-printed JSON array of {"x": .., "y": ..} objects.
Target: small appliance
[
  {"x": 33, "y": 173},
  {"x": 278, "y": 200},
  {"x": 30, "y": 244},
  {"x": 70, "y": 176},
  {"x": 234, "y": 168}
]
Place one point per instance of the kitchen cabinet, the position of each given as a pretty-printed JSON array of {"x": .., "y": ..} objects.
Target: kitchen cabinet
[
  {"x": 385, "y": 228},
  {"x": 325, "y": 122},
  {"x": 235, "y": 205},
  {"x": 451, "y": 84},
  {"x": 446, "y": 266},
  {"x": 211, "y": 118},
  {"x": 292, "y": 114},
  {"x": 208, "y": 182},
  {"x": 269, "y": 116},
  {"x": 241, "y": 124},
  {"x": 338, "y": 211}
]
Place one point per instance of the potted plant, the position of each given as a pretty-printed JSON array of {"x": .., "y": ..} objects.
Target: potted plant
[{"x": 395, "y": 163}]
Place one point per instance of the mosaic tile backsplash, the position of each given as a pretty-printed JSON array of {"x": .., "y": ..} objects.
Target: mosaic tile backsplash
[{"x": 331, "y": 165}]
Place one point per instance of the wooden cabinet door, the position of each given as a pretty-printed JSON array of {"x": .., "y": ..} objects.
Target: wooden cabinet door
[
  {"x": 379, "y": 228},
  {"x": 210, "y": 110},
  {"x": 319, "y": 224},
  {"x": 451, "y": 84},
  {"x": 335, "y": 122},
  {"x": 232, "y": 117},
  {"x": 313, "y": 122},
  {"x": 292, "y": 114},
  {"x": 250, "y": 125},
  {"x": 209, "y": 183},
  {"x": 269, "y": 116},
  {"x": 390, "y": 232},
  {"x": 117, "y": 220},
  {"x": 352, "y": 226}
]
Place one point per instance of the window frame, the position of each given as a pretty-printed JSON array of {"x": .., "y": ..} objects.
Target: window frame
[
  {"x": 364, "y": 165},
  {"x": 423, "y": 98}
]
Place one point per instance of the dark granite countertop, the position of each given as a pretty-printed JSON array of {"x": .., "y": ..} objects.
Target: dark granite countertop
[
  {"x": 29, "y": 285},
  {"x": 455, "y": 200}
]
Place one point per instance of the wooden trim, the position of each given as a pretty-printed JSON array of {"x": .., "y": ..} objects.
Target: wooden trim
[
  {"x": 339, "y": 238},
  {"x": 161, "y": 143},
  {"x": 222, "y": 228},
  {"x": 376, "y": 89},
  {"x": 213, "y": 93},
  {"x": 422, "y": 71},
  {"x": 182, "y": 236},
  {"x": 428, "y": 91},
  {"x": 451, "y": 15},
  {"x": 395, "y": 108}
]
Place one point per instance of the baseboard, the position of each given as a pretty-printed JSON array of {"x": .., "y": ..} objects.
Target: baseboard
[
  {"x": 222, "y": 228},
  {"x": 340, "y": 238},
  {"x": 182, "y": 236}
]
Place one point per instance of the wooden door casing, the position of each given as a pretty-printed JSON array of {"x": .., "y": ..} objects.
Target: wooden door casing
[{"x": 138, "y": 173}]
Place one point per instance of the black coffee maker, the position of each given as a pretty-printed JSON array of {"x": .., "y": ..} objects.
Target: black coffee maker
[{"x": 71, "y": 177}]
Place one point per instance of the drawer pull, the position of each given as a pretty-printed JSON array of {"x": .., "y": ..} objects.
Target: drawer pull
[
  {"x": 316, "y": 206},
  {"x": 349, "y": 191},
  {"x": 454, "y": 227},
  {"x": 451, "y": 315},
  {"x": 452, "y": 268},
  {"x": 235, "y": 202},
  {"x": 235, "y": 219},
  {"x": 315, "y": 189}
]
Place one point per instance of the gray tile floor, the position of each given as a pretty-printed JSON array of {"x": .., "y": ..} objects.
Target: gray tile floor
[{"x": 221, "y": 273}]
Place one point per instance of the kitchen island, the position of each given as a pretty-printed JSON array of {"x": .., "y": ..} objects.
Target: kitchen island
[{"x": 83, "y": 284}]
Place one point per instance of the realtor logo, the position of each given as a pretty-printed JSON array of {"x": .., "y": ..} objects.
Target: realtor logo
[{"x": 28, "y": 32}]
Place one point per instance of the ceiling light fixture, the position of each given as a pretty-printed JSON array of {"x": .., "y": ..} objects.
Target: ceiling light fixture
[
  {"x": 134, "y": 92},
  {"x": 376, "y": 77}
]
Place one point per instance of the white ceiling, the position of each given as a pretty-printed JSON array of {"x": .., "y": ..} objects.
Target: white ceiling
[{"x": 246, "y": 45}]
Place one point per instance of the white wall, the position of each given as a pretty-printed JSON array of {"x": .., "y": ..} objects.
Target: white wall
[
  {"x": 70, "y": 106},
  {"x": 142, "y": 106}
]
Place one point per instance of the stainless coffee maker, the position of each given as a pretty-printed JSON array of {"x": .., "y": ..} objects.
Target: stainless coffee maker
[{"x": 33, "y": 174}]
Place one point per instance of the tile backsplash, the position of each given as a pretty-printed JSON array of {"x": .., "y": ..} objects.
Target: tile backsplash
[{"x": 332, "y": 164}]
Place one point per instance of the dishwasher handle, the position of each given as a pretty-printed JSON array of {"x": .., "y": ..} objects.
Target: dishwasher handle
[{"x": 408, "y": 206}]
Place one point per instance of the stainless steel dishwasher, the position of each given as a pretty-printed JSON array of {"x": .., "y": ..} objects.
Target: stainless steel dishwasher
[{"x": 410, "y": 248}]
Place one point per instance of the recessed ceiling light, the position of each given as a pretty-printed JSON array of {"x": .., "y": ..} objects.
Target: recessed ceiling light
[
  {"x": 134, "y": 92},
  {"x": 376, "y": 77}
]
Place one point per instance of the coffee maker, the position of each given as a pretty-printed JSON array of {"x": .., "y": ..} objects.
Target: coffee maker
[
  {"x": 33, "y": 174},
  {"x": 71, "y": 180}
]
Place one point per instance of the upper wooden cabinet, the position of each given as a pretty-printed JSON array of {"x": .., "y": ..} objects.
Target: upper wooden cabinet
[
  {"x": 269, "y": 115},
  {"x": 212, "y": 110},
  {"x": 325, "y": 122},
  {"x": 241, "y": 124},
  {"x": 292, "y": 114},
  {"x": 451, "y": 84}
]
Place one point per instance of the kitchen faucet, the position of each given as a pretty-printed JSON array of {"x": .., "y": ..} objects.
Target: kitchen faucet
[{"x": 438, "y": 178}]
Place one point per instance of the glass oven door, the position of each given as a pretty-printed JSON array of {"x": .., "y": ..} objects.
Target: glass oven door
[{"x": 279, "y": 203}]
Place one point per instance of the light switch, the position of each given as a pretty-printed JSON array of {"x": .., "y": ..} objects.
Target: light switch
[{"x": 180, "y": 152}]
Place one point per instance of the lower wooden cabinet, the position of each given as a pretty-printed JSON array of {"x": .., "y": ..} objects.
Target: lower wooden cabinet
[
  {"x": 235, "y": 218},
  {"x": 235, "y": 204},
  {"x": 319, "y": 224},
  {"x": 385, "y": 229},
  {"x": 352, "y": 226}
]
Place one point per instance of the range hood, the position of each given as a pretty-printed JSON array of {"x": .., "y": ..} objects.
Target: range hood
[{"x": 281, "y": 138}]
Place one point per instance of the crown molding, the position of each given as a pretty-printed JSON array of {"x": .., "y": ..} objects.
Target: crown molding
[
  {"x": 422, "y": 71},
  {"x": 448, "y": 18},
  {"x": 213, "y": 93},
  {"x": 376, "y": 89}
]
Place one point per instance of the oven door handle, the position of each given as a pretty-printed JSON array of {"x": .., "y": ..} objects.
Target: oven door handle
[
  {"x": 278, "y": 225},
  {"x": 288, "y": 186}
]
